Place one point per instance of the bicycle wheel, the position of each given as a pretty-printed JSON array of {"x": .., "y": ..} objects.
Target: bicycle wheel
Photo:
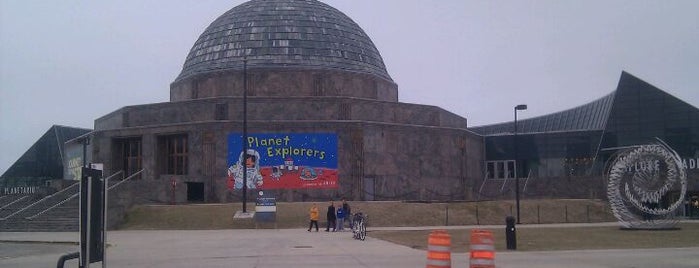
[
  {"x": 362, "y": 231},
  {"x": 355, "y": 231}
]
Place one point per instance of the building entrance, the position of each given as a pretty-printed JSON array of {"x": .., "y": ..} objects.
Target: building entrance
[
  {"x": 692, "y": 205},
  {"x": 195, "y": 192}
]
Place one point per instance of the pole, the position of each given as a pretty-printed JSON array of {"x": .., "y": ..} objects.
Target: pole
[
  {"x": 86, "y": 141},
  {"x": 516, "y": 177},
  {"x": 105, "y": 190},
  {"x": 518, "y": 107},
  {"x": 245, "y": 133},
  {"x": 89, "y": 221}
]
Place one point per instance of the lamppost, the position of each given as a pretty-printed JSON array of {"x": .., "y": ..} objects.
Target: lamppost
[
  {"x": 245, "y": 133},
  {"x": 520, "y": 107}
]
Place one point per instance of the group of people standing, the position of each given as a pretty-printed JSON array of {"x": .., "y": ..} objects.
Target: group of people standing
[{"x": 336, "y": 216}]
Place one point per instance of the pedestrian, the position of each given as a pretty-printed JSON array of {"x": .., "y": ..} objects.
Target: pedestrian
[
  {"x": 313, "y": 213},
  {"x": 348, "y": 212},
  {"x": 331, "y": 217},
  {"x": 340, "y": 219}
]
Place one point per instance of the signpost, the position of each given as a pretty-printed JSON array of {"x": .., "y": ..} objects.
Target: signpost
[
  {"x": 265, "y": 207},
  {"x": 92, "y": 217}
]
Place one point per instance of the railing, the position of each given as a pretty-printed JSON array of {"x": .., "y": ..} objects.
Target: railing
[
  {"x": 124, "y": 180},
  {"x": 480, "y": 190},
  {"x": 75, "y": 195},
  {"x": 504, "y": 182},
  {"x": 529, "y": 175},
  {"x": 37, "y": 202},
  {"x": 10, "y": 204}
]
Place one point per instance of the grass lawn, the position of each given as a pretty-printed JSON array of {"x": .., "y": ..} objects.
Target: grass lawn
[
  {"x": 295, "y": 214},
  {"x": 560, "y": 238}
]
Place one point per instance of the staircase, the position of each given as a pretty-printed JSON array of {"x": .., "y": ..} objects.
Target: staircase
[
  {"x": 11, "y": 203},
  {"x": 59, "y": 212}
]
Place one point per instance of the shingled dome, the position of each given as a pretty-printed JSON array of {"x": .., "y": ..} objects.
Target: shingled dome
[{"x": 303, "y": 34}]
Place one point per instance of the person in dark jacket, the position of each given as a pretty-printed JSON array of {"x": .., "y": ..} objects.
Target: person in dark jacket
[
  {"x": 331, "y": 217},
  {"x": 348, "y": 212}
]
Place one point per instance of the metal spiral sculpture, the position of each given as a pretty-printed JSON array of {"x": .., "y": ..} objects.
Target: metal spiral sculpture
[{"x": 640, "y": 180}]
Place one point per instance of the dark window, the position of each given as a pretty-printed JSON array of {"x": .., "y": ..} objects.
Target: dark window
[
  {"x": 500, "y": 169},
  {"x": 221, "y": 112},
  {"x": 173, "y": 151},
  {"x": 132, "y": 156},
  {"x": 490, "y": 172},
  {"x": 128, "y": 155},
  {"x": 511, "y": 169}
]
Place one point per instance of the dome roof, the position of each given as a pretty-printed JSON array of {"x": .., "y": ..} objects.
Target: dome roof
[{"x": 303, "y": 34}]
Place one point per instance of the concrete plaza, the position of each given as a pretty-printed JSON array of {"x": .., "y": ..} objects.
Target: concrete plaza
[{"x": 297, "y": 248}]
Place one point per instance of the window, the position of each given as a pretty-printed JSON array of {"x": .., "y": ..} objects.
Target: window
[
  {"x": 500, "y": 169},
  {"x": 221, "y": 111},
  {"x": 490, "y": 172},
  {"x": 132, "y": 156},
  {"x": 128, "y": 155},
  {"x": 510, "y": 169},
  {"x": 173, "y": 152}
]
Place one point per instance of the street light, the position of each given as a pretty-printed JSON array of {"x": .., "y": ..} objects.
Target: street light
[
  {"x": 245, "y": 133},
  {"x": 520, "y": 107}
]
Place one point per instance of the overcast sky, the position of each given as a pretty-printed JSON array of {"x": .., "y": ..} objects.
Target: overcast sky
[{"x": 69, "y": 62}]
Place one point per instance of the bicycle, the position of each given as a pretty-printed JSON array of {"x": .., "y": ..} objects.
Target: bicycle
[{"x": 359, "y": 226}]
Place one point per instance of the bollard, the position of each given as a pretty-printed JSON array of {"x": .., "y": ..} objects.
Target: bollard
[
  {"x": 439, "y": 249},
  {"x": 511, "y": 233},
  {"x": 482, "y": 249}
]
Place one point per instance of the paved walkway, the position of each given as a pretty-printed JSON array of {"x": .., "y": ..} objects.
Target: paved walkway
[{"x": 298, "y": 248}]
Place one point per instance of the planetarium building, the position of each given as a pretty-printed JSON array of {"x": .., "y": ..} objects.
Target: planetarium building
[
  {"x": 321, "y": 114},
  {"x": 301, "y": 88}
]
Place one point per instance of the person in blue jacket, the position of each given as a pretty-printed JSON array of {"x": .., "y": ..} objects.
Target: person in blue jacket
[{"x": 340, "y": 219}]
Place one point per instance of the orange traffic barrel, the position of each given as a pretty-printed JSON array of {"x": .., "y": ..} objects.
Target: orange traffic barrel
[
  {"x": 439, "y": 249},
  {"x": 482, "y": 249}
]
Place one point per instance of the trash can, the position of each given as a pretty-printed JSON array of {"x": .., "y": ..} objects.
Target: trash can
[{"x": 511, "y": 233}]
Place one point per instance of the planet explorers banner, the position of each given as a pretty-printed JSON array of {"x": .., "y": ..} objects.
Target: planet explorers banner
[{"x": 283, "y": 161}]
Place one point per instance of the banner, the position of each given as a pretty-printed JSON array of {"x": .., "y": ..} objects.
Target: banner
[
  {"x": 72, "y": 161},
  {"x": 283, "y": 161}
]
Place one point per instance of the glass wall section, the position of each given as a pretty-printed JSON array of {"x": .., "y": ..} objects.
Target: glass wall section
[
  {"x": 642, "y": 112},
  {"x": 560, "y": 154}
]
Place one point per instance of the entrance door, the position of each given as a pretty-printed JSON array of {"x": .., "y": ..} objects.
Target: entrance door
[{"x": 195, "y": 192}]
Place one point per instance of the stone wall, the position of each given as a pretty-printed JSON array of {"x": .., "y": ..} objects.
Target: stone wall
[
  {"x": 399, "y": 161},
  {"x": 279, "y": 109},
  {"x": 285, "y": 83}
]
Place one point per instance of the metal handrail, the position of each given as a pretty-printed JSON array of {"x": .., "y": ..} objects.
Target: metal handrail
[
  {"x": 37, "y": 202},
  {"x": 529, "y": 175},
  {"x": 482, "y": 184},
  {"x": 54, "y": 206},
  {"x": 13, "y": 202},
  {"x": 504, "y": 182},
  {"x": 126, "y": 179},
  {"x": 71, "y": 197}
]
